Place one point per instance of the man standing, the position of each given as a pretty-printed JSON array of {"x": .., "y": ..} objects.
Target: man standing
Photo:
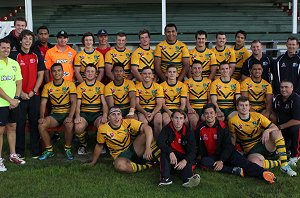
[
  {"x": 177, "y": 145},
  {"x": 32, "y": 69},
  {"x": 171, "y": 51},
  {"x": 103, "y": 45},
  {"x": 241, "y": 53},
  {"x": 143, "y": 56},
  {"x": 287, "y": 107},
  {"x": 10, "y": 91},
  {"x": 14, "y": 36},
  {"x": 42, "y": 43},
  {"x": 288, "y": 67},
  {"x": 61, "y": 53}
]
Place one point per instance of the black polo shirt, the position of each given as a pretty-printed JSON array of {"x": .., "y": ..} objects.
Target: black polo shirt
[{"x": 287, "y": 110}]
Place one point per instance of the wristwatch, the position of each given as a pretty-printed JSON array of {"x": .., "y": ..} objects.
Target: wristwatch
[
  {"x": 18, "y": 98},
  {"x": 34, "y": 93}
]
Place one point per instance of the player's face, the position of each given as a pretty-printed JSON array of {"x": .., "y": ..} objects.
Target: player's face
[
  {"x": 27, "y": 42},
  {"x": 286, "y": 89},
  {"x": 210, "y": 115},
  {"x": 256, "y": 70},
  {"x": 62, "y": 41},
  {"x": 147, "y": 75},
  {"x": 178, "y": 120},
  {"x": 115, "y": 119},
  {"x": 145, "y": 40},
  {"x": 57, "y": 72},
  {"x": 256, "y": 48},
  {"x": 118, "y": 73},
  {"x": 243, "y": 108},
  {"x": 240, "y": 39},
  {"x": 221, "y": 40},
  {"x": 4, "y": 50},
  {"x": 292, "y": 46},
  {"x": 225, "y": 70},
  {"x": 201, "y": 40},
  {"x": 196, "y": 70},
  {"x": 171, "y": 34},
  {"x": 20, "y": 26},
  {"x": 88, "y": 42},
  {"x": 172, "y": 73},
  {"x": 90, "y": 73},
  {"x": 121, "y": 42},
  {"x": 103, "y": 39},
  {"x": 43, "y": 35}
]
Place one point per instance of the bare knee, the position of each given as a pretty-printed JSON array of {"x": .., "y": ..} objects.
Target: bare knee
[
  {"x": 257, "y": 159},
  {"x": 121, "y": 165}
]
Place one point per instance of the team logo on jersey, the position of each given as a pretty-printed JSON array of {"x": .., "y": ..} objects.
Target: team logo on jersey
[
  {"x": 191, "y": 86},
  {"x": 178, "y": 90},
  {"x": 165, "y": 91},
  {"x": 114, "y": 55},
  {"x": 126, "y": 130},
  {"x": 215, "y": 136},
  {"x": 177, "y": 49},
  {"x": 142, "y": 54},
  {"x": 14, "y": 68},
  {"x": 126, "y": 88},
  {"x": 207, "y": 56},
  {"x": 194, "y": 56},
  {"x": 254, "y": 123},
  {"x": 232, "y": 87},
  {"x": 111, "y": 135},
  {"x": 140, "y": 92},
  {"x": 163, "y": 48},
  {"x": 241, "y": 54},
  {"x": 287, "y": 106},
  {"x": 219, "y": 87},
  {"x": 265, "y": 63},
  {"x": 295, "y": 64},
  {"x": 283, "y": 65},
  {"x": 50, "y": 90},
  {"x": 264, "y": 87},
  {"x": 205, "y": 85},
  {"x": 70, "y": 54},
  {"x": 205, "y": 138},
  {"x": 81, "y": 57},
  {"x": 66, "y": 74},
  {"x": 249, "y": 86},
  {"x": 154, "y": 92},
  {"x": 32, "y": 60},
  {"x": 83, "y": 90},
  {"x": 113, "y": 91},
  {"x": 227, "y": 54},
  {"x": 127, "y": 55},
  {"x": 179, "y": 141},
  {"x": 96, "y": 57},
  {"x": 97, "y": 89},
  {"x": 240, "y": 126},
  {"x": 64, "y": 90}
]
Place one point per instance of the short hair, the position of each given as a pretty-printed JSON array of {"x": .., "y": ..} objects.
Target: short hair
[
  {"x": 287, "y": 81},
  {"x": 56, "y": 64},
  {"x": 121, "y": 34},
  {"x": 224, "y": 62},
  {"x": 170, "y": 25},
  {"x": 220, "y": 33},
  {"x": 179, "y": 111},
  {"x": 255, "y": 41},
  {"x": 241, "y": 32},
  {"x": 113, "y": 107},
  {"x": 171, "y": 66},
  {"x": 5, "y": 40},
  {"x": 90, "y": 65},
  {"x": 196, "y": 62},
  {"x": 118, "y": 64},
  {"x": 144, "y": 31},
  {"x": 241, "y": 99},
  {"x": 27, "y": 33},
  {"x": 209, "y": 105},
  {"x": 256, "y": 62},
  {"x": 147, "y": 67},
  {"x": 20, "y": 19},
  {"x": 86, "y": 35},
  {"x": 292, "y": 38},
  {"x": 42, "y": 28},
  {"x": 200, "y": 32}
]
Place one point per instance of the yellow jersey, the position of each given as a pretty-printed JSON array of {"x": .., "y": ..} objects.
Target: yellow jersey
[
  {"x": 116, "y": 56},
  {"x": 227, "y": 54},
  {"x": 147, "y": 96},
  {"x": 141, "y": 58},
  {"x": 173, "y": 94},
  {"x": 241, "y": 56}
]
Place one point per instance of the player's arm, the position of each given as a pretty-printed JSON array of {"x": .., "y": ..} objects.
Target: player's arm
[
  {"x": 213, "y": 71},
  {"x": 214, "y": 100},
  {"x": 182, "y": 103},
  {"x": 136, "y": 73},
  {"x": 232, "y": 68},
  {"x": 43, "y": 109},
  {"x": 77, "y": 111},
  {"x": 188, "y": 106},
  {"x": 269, "y": 104},
  {"x": 185, "y": 69},
  {"x": 290, "y": 123},
  {"x": 73, "y": 100},
  {"x": 157, "y": 67},
  {"x": 13, "y": 102},
  {"x": 108, "y": 71},
  {"x": 147, "y": 130},
  {"x": 132, "y": 98},
  {"x": 47, "y": 76},
  {"x": 139, "y": 107},
  {"x": 100, "y": 74},
  {"x": 77, "y": 73},
  {"x": 104, "y": 106},
  {"x": 109, "y": 101},
  {"x": 97, "y": 153},
  {"x": 40, "y": 78},
  {"x": 166, "y": 109},
  {"x": 159, "y": 102}
]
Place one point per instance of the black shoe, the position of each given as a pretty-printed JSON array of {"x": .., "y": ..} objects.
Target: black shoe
[{"x": 165, "y": 182}]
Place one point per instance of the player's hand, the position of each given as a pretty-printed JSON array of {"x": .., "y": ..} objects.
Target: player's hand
[
  {"x": 173, "y": 159},
  {"x": 129, "y": 116},
  {"x": 103, "y": 119},
  {"x": 24, "y": 96},
  {"x": 77, "y": 120},
  {"x": 218, "y": 165},
  {"x": 181, "y": 165},
  {"x": 267, "y": 114},
  {"x": 149, "y": 116},
  {"x": 68, "y": 120},
  {"x": 170, "y": 113},
  {"x": 265, "y": 136},
  {"x": 220, "y": 115},
  {"x": 30, "y": 94},
  {"x": 13, "y": 103},
  {"x": 148, "y": 154},
  {"x": 42, "y": 120},
  {"x": 191, "y": 111}
]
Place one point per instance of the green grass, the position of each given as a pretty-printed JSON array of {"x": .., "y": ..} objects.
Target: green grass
[{"x": 58, "y": 177}]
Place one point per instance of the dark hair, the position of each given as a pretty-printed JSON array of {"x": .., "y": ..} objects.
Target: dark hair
[
  {"x": 144, "y": 31},
  {"x": 42, "y": 28},
  {"x": 170, "y": 25},
  {"x": 200, "y": 32},
  {"x": 20, "y": 19},
  {"x": 113, "y": 107},
  {"x": 196, "y": 62},
  {"x": 241, "y": 32},
  {"x": 118, "y": 64},
  {"x": 209, "y": 105},
  {"x": 147, "y": 67},
  {"x": 224, "y": 62},
  {"x": 179, "y": 111},
  {"x": 56, "y": 64},
  {"x": 90, "y": 65},
  {"x": 255, "y": 41},
  {"x": 121, "y": 34},
  {"x": 27, "y": 33},
  {"x": 292, "y": 38},
  {"x": 5, "y": 40},
  {"x": 255, "y": 62},
  {"x": 220, "y": 33},
  {"x": 287, "y": 81},
  {"x": 171, "y": 66},
  {"x": 86, "y": 35},
  {"x": 241, "y": 99}
]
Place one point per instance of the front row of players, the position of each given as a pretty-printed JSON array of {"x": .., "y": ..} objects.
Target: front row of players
[{"x": 131, "y": 143}]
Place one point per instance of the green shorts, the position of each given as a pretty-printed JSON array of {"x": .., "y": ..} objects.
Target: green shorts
[
  {"x": 90, "y": 117},
  {"x": 129, "y": 153},
  {"x": 261, "y": 149},
  {"x": 124, "y": 112},
  {"x": 59, "y": 117},
  {"x": 227, "y": 111}
]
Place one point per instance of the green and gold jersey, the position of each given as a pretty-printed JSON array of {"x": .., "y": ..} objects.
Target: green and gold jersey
[
  {"x": 198, "y": 90},
  {"x": 59, "y": 95},
  {"x": 207, "y": 59},
  {"x": 118, "y": 139},
  {"x": 147, "y": 96},
  {"x": 171, "y": 53},
  {"x": 173, "y": 94},
  {"x": 114, "y": 56},
  {"x": 141, "y": 58},
  {"x": 248, "y": 132},
  {"x": 241, "y": 56},
  {"x": 83, "y": 58},
  {"x": 120, "y": 93},
  {"x": 90, "y": 96},
  {"x": 227, "y": 54},
  {"x": 225, "y": 92},
  {"x": 256, "y": 92}
]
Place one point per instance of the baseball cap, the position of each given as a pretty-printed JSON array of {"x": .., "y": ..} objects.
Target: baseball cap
[
  {"x": 62, "y": 33},
  {"x": 102, "y": 32}
]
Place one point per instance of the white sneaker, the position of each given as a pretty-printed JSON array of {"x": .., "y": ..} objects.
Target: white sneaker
[
  {"x": 288, "y": 170},
  {"x": 103, "y": 150},
  {"x": 293, "y": 161},
  {"x": 192, "y": 181},
  {"x": 2, "y": 167},
  {"x": 82, "y": 151},
  {"x": 15, "y": 159}
]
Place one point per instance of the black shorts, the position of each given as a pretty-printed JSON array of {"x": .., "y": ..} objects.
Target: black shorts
[{"x": 9, "y": 115}]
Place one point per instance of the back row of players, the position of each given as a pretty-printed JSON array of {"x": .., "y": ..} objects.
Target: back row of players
[{"x": 147, "y": 100}]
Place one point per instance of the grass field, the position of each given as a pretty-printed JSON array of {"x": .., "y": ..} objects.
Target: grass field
[{"x": 58, "y": 177}]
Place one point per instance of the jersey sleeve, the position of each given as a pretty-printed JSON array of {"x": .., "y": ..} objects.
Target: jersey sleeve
[
  {"x": 232, "y": 58},
  {"x": 184, "y": 91},
  {"x": 100, "y": 137},
  {"x": 185, "y": 52},
  {"x": 157, "y": 52},
  {"x": 244, "y": 86},
  {"x": 238, "y": 88},
  {"x": 269, "y": 89},
  {"x": 135, "y": 126},
  {"x": 77, "y": 61},
  {"x": 102, "y": 88},
  {"x": 231, "y": 126},
  {"x": 48, "y": 60},
  {"x": 45, "y": 91},
  {"x": 108, "y": 58},
  {"x": 160, "y": 92},
  {"x": 107, "y": 90},
  {"x": 79, "y": 92},
  {"x": 72, "y": 88},
  {"x": 135, "y": 60},
  {"x": 131, "y": 86},
  {"x": 296, "y": 109},
  {"x": 265, "y": 122},
  {"x": 213, "y": 90},
  {"x": 213, "y": 60}
]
